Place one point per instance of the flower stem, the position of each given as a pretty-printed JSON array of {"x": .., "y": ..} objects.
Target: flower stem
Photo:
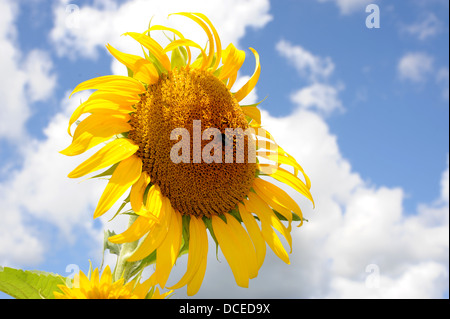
[{"x": 123, "y": 267}]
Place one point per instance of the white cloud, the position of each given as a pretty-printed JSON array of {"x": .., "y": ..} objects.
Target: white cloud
[
  {"x": 359, "y": 241},
  {"x": 355, "y": 229},
  {"x": 415, "y": 66},
  {"x": 322, "y": 97},
  {"x": 40, "y": 190},
  {"x": 427, "y": 27},
  {"x": 26, "y": 78},
  {"x": 350, "y": 6},
  {"x": 41, "y": 82},
  {"x": 82, "y": 31},
  {"x": 319, "y": 95},
  {"x": 19, "y": 241},
  {"x": 308, "y": 65}
]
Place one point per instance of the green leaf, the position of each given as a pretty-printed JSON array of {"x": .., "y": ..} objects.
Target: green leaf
[
  {"x": 29, "y": 284},
  {"x": 107, "y": 245}
]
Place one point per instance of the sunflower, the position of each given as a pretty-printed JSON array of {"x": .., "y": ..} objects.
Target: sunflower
[
  {"x": 104, "y": 287},
  {"x": 177, "y": 198}
]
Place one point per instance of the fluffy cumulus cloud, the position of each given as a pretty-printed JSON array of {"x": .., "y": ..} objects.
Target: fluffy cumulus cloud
[
  {"x": 322, "y": 97},
  {"x": 359, "y": 242},
  {"x": 40, "y": 192},
  {"x": 83, "y": 30},
  {"x": 319, "y": 94},
  {"x": 28, "y": 79},
  {"x": 415, "y": 66},
  {"x": 312, "y": 67}
]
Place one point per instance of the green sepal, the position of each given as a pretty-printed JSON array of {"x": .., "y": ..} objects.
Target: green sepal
[
  {"x": 217, "y": 73},
  {"x": 123, "y": 135},
  {"x": 177, "y": 60},
  {"x": 197, "y": 62},
  {"x": 108, "y": 172},
  {"x": 125, "y": 201},
  {"x": 255, "y": 104},
  {"x": 150, "y": 57},
  {"x": 208, "y": 223},
  {"x": 235, "y": 213},
  {"x": 185, "y": 235},
  {"x": 295, "y": 217},
  {"x": 147, "y": 261},
  {"x": 130, "y": 72},
  {"x": 29, "y": 284}
]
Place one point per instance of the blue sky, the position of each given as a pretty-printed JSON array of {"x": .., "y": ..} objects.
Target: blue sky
[{"x": 365, "y": 111}]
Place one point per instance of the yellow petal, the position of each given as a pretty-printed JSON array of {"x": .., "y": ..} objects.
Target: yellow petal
[
  {"x": 266, "y": 215},
  {"x": 101, "y": 102},
  {"x": 95, "y": 129},
  {"x": 167, "y": 252},
  {"x": 292, "y": 162},
  {"x": 138, "y": 229},
  {"x": 125, "y": 175},
  {"x": 252, "y": 112},
  {"x": 196, "y": 282},
  {"x": 290, "y": 179},
  {"x": 208, "y": 33},
  {"x": 189, "y": 43},
  {"x": 95, "y": 279},
  {"x": 232, "y": 59},
  {"x": 153, "y": 47},
  {"x": 106, "y": 277},
  {"x": 110, "y": 154},
  {"x": 178, "y": 33},
  {"x": 267, "y": 220},
  {"x": 245, "y": 244},
  {"x": 111, "y": 83},
  {"x": 198, "y": 250},
  {"x": 137, "y": 192},
  {"x": 231, "y": 81},
  {"x": 268, "y": 190},
  {"x": 248, "y": 87},
  {"x": 143, "y": 70},
  {"x": 154, "y": 204},
  {"x": 81, "y": 280},
  {"x": 232, "y": 251},
  {"x": 255, "y": 234},
  {"x": 156, "y": 235},
  {"x": 216, "y": 39}
]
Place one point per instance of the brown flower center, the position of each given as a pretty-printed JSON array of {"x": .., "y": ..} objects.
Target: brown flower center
[{"x": 196, "y": 185}]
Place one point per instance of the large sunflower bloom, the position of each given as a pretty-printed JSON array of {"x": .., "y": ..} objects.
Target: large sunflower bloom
[
  {"x": 177, "y": 201},
  {"x": 103, "y": 287}
]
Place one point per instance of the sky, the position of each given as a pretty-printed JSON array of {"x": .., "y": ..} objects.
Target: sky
[{"x": 364, "y": 110}]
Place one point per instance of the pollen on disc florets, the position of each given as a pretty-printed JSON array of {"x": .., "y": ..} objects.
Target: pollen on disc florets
[{"x": 175, "y": 101}]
